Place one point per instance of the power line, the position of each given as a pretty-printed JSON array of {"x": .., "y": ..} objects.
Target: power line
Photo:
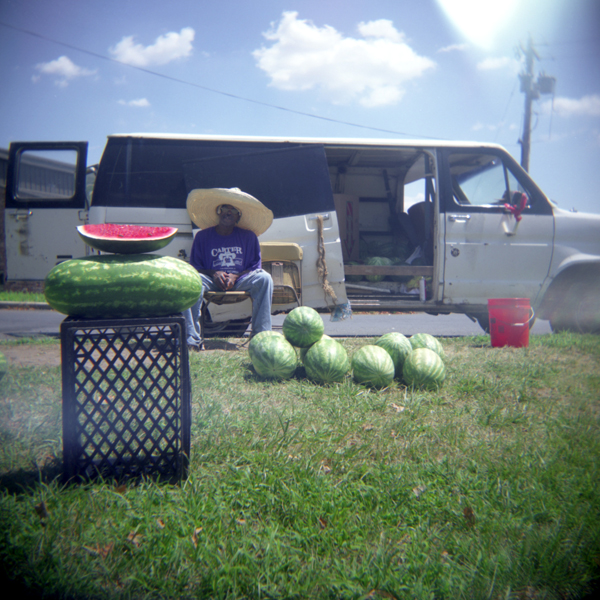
[{"x": 206, "y": 88}]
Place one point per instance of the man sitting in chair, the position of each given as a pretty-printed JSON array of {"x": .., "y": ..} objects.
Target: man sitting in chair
[{"x": 226, "y": 253}]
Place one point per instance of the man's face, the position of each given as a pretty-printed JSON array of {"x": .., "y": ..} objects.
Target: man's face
[{"x": 228, "y": 215}]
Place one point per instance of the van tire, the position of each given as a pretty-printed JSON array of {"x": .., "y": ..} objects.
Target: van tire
[
  {"x": 484, "y": 321},
  {"x": 580, "y": 310}
]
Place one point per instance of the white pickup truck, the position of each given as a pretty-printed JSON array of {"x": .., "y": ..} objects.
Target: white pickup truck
[{"x": 438, "y": 227}]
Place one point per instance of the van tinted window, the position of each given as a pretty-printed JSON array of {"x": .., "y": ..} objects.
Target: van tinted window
[{"x": 290, "y": 179}]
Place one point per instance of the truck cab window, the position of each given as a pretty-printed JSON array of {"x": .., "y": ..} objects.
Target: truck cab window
[{"x": 481, "y": 180}]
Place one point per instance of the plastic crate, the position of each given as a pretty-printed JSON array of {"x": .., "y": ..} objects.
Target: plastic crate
[{"x": 126, "y": 398}]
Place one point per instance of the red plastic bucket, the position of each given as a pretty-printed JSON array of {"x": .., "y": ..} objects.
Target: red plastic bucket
[{"x": 509, "y": 321}]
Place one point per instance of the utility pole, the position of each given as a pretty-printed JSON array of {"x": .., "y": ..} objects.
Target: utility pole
[{"x": 532, "y": 88}]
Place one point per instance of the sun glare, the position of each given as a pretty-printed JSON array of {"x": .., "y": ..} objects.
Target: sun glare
[{"x": 479, "y": 20}]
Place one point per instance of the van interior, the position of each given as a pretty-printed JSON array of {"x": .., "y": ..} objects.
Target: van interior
[{"x": 384, "y": 200}]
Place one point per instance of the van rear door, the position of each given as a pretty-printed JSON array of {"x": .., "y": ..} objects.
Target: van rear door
[{"x": 45, "y": 201}]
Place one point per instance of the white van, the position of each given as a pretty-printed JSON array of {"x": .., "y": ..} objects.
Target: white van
[{"x": 438, "y": 227}]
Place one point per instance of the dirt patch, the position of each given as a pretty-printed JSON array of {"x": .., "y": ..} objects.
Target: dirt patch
[{"x": 32, "y": 355}]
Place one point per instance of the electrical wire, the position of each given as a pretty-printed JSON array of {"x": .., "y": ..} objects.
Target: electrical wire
[{"x": 209, "y": 89}]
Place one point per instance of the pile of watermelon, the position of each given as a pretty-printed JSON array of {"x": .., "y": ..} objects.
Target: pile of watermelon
[
  {"x": 277, "y": 356},
  {"x": 129, "y": 281},
  {"x": 417, "y": 361}
]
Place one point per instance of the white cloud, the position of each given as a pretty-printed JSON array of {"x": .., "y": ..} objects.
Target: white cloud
[
  {"x": 166, "y": 48},
  {"x": 140, "y": 103},
  {"x": 588, "y": 106},
  {"x": 503, "y": 62},
  {"x": 454, "y": 48},
  {"x": 479, "y": 126},
  {"x": 64, "y": 69},
  {"x": 373, "y": 69}
]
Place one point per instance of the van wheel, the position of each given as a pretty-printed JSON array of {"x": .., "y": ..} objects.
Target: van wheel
[
  {"x": 580, "y": 311},
  {"x": 483, "y": 319}
]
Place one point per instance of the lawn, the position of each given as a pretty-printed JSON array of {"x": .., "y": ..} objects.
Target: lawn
[{"x": 486, "y": 488}]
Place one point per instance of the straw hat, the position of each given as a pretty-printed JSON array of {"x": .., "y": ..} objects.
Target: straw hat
[{"x": 202, "y": 207}]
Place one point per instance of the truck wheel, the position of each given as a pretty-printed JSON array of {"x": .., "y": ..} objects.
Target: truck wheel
[
  {"x": 580, "y": 311},
  {"x": 484, "y": 321}
]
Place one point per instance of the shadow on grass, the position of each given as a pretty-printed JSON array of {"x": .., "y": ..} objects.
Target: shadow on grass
[{"x": 24, "y": 480}]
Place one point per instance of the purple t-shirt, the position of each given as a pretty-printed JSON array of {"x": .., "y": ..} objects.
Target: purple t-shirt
[{"x": 234, "y": 253}]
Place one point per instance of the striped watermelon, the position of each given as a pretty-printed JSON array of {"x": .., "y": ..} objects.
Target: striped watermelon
[
  {"x": 122, "y": 286},
  {"x": 303, "y": 326},
  {"x": 426, "y": 340},
  {"x": 255, "y": 340},
  {"x": 424, "y": 368},
  {"x": 273, "y": 357},
  {"x": 326, "y": 361},
  {"x": 397, "y": 346},
  {"x": 302, "y": 351},
  {"x": 378, "y": 261},
  {"x": 372, "y": 365},
  {"x": 126, "y": 239}
]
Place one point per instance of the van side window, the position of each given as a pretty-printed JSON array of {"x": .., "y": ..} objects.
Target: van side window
[{"x": 290, "y": 179}]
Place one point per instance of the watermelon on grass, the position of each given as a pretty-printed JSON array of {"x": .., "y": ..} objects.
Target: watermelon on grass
[
  {"x": 126, "y": 239},
  {"x": 273, "y": 357},
  {"x": 424, "y": 368},
  {"x": 398, "y": 347},
  {"x": 303, "y": 326},
  {"x": 122, "y": 286},
  {"x": 326, "y": 361},
  {"x": 302, "y": 351},
  {"x": 426, "y": 340},
  {"x": 372, "y": 365},
  {"x": 255, "y": 340}
]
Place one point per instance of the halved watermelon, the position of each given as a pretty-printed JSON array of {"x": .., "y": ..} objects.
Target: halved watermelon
[{"x": 126, "y": 239}]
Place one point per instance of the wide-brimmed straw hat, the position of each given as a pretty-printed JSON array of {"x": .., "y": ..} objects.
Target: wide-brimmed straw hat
[{"x": 202, "y": 207}]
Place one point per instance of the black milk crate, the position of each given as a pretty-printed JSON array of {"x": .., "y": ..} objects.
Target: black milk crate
[{"x": 126, "y": 398}]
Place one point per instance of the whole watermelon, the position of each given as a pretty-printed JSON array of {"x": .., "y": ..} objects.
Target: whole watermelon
[
  {"x": 3, "y": 365},
  {"x": 426, "y": 340},
  {"x": 122, "y": 286},
  {"x": 378, "y": 261},
  {"x": 255, "y": 340},
  {"x": 373, "y": 366},
  {"x": 302, "y": 351},
  {"x": 273, "y": 357},
  {"x": 398, "y": 347},
  {"x": 326, "y": 361},
  {"x": 424, "y": 368},
  {"x": 303, "y": 326}
]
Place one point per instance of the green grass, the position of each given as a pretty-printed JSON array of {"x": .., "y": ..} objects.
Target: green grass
[
  {"x": 24, "y": 296},
  {"x": 487, "y": 488}
]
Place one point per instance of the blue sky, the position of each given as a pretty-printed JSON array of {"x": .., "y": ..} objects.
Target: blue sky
[{"x": 444, "y": 69}]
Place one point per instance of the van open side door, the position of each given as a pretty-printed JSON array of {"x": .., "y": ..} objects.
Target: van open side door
[{"x": 45, "y": 202}]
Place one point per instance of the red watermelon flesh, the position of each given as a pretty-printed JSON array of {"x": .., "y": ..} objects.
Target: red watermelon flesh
[{"x": 126, "y": 239}]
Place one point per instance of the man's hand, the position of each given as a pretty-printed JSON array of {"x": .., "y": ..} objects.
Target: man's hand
[{"x": 225, "y": 280}]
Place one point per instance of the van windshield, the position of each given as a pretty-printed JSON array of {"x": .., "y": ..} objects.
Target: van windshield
[{"x": 290, "y": 179}]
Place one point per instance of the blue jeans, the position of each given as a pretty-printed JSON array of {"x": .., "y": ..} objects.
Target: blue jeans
[{"x": 260, "y": 286}]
